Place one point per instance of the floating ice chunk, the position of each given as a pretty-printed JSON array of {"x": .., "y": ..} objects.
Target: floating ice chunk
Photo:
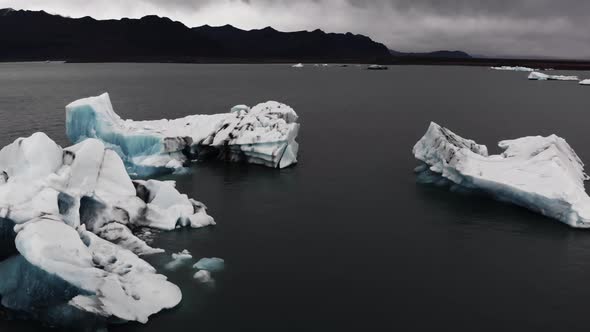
[
  {"x": 517, "y": 68},
  {"x": 585, "y": 82},
  {"x": 543, "y": 174},
  {"x": 61, "y": 266},
  {"x": 178, "y": 259},
  {"x": 298, "y": 65},
  {"x": 264, "y": 134},
  {"x": 536, "y": 76},
  {"x": 86, "y": 184},
  {"x": 185, "y": 254},
  {"x": 203, "y": 276},
  {"x": 210, "y": 264}
]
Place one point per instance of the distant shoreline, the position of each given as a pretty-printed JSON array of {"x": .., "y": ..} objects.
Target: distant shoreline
[{"x": 394, "y": 61}]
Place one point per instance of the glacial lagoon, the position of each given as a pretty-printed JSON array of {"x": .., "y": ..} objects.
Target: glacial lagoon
[{"x": 346, "y": 239}]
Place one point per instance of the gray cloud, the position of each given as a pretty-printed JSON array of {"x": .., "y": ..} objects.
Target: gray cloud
[{"x": 494, "y": 27}]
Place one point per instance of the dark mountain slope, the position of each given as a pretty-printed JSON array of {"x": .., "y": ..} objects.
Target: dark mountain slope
[{"x": 37, "y": 35}]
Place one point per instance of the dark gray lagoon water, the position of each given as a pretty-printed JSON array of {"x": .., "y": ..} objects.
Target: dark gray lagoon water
[{"x": 346, "y": 240}]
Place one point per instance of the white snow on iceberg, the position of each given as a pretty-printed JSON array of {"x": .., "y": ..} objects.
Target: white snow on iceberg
[
  {"x": 536, "y": 76},
  {"x": 509, "y": 68},
  {"x": 87, "y": 184},
  {"x": 264, "y": 134},
  {"x": 543, "y": 174},
  {"x": 70, "y": 213},
  {"x": 298, "y": 65},
  {"x": 585, "y": 82}
]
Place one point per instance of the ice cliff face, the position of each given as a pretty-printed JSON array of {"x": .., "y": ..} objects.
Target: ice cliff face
[
  {"x": 542, "y": 174},
  {"x": 69, "y": 215},
  {"x": 264, "y": 134}
]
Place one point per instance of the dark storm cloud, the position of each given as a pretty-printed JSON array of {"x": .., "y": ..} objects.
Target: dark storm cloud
[{"x": 496, "y": 27}]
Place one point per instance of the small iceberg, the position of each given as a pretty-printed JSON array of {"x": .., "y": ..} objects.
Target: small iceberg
[
  {"x": 536, "y": 76},
  {"x": 298, "y": 65},
  {"x": 542, "y": 174},
  {"x": 377, "y": 67},
  {"x": 585, "y": 82},
  {"x": 210, "y": 264},
  {"x": 264, "y": 134},
  {"x": 70, "y": 212},
  {"x": 517, "y": 68}
]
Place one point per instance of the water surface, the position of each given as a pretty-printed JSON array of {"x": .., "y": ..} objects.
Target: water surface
[{"x": 346, "y": 240}]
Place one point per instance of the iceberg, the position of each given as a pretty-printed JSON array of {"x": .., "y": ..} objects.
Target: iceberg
[
  {"x": 264, "y": 134},
  {"x": 517, "y": 68},
  {"x": 377, "y": 67},
  {"x": 66, "y": 221},
  {"x": 536, "y": 76},
  {"x": 585, "y": 82},
  {"x": 542, "y": 174},
  {"x": 298, "y": 65}
]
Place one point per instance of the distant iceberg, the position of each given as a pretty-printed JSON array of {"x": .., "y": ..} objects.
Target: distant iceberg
[
  {"x": 517, "y": 68},
  {"x": 298, "y": 65},
  {"x": 542, "y": 174},
  {"x": 377, "y": 67},
  {"x": 264, "y": 134},
  {"x": 70, "y": 213},
  {"x": 585, "y": 82},
  {"x": 536, "y": 76}
]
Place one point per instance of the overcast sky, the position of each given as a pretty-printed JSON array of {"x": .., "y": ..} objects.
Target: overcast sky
[{"x": 554, "y": 28}]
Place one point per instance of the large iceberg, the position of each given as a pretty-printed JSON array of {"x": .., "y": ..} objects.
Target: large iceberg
[
  {"x": 585, "y": 82},
  {"x": 536, "y": 76},
  {"x": 70, "y": 214},
  {"x": 509, "y": 68},
  {"x": 543, "y": 174},
  {"x": 264, "y": 134}
]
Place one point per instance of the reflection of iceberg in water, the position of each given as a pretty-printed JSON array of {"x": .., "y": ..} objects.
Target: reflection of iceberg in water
[
  {"x": 264, "y": 134},
  {"x": 543, "y": 174},
  {"x": 66, "y": 217}
]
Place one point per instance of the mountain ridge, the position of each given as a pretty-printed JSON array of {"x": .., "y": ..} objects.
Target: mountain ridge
[{"x": 38, "y": 35}]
